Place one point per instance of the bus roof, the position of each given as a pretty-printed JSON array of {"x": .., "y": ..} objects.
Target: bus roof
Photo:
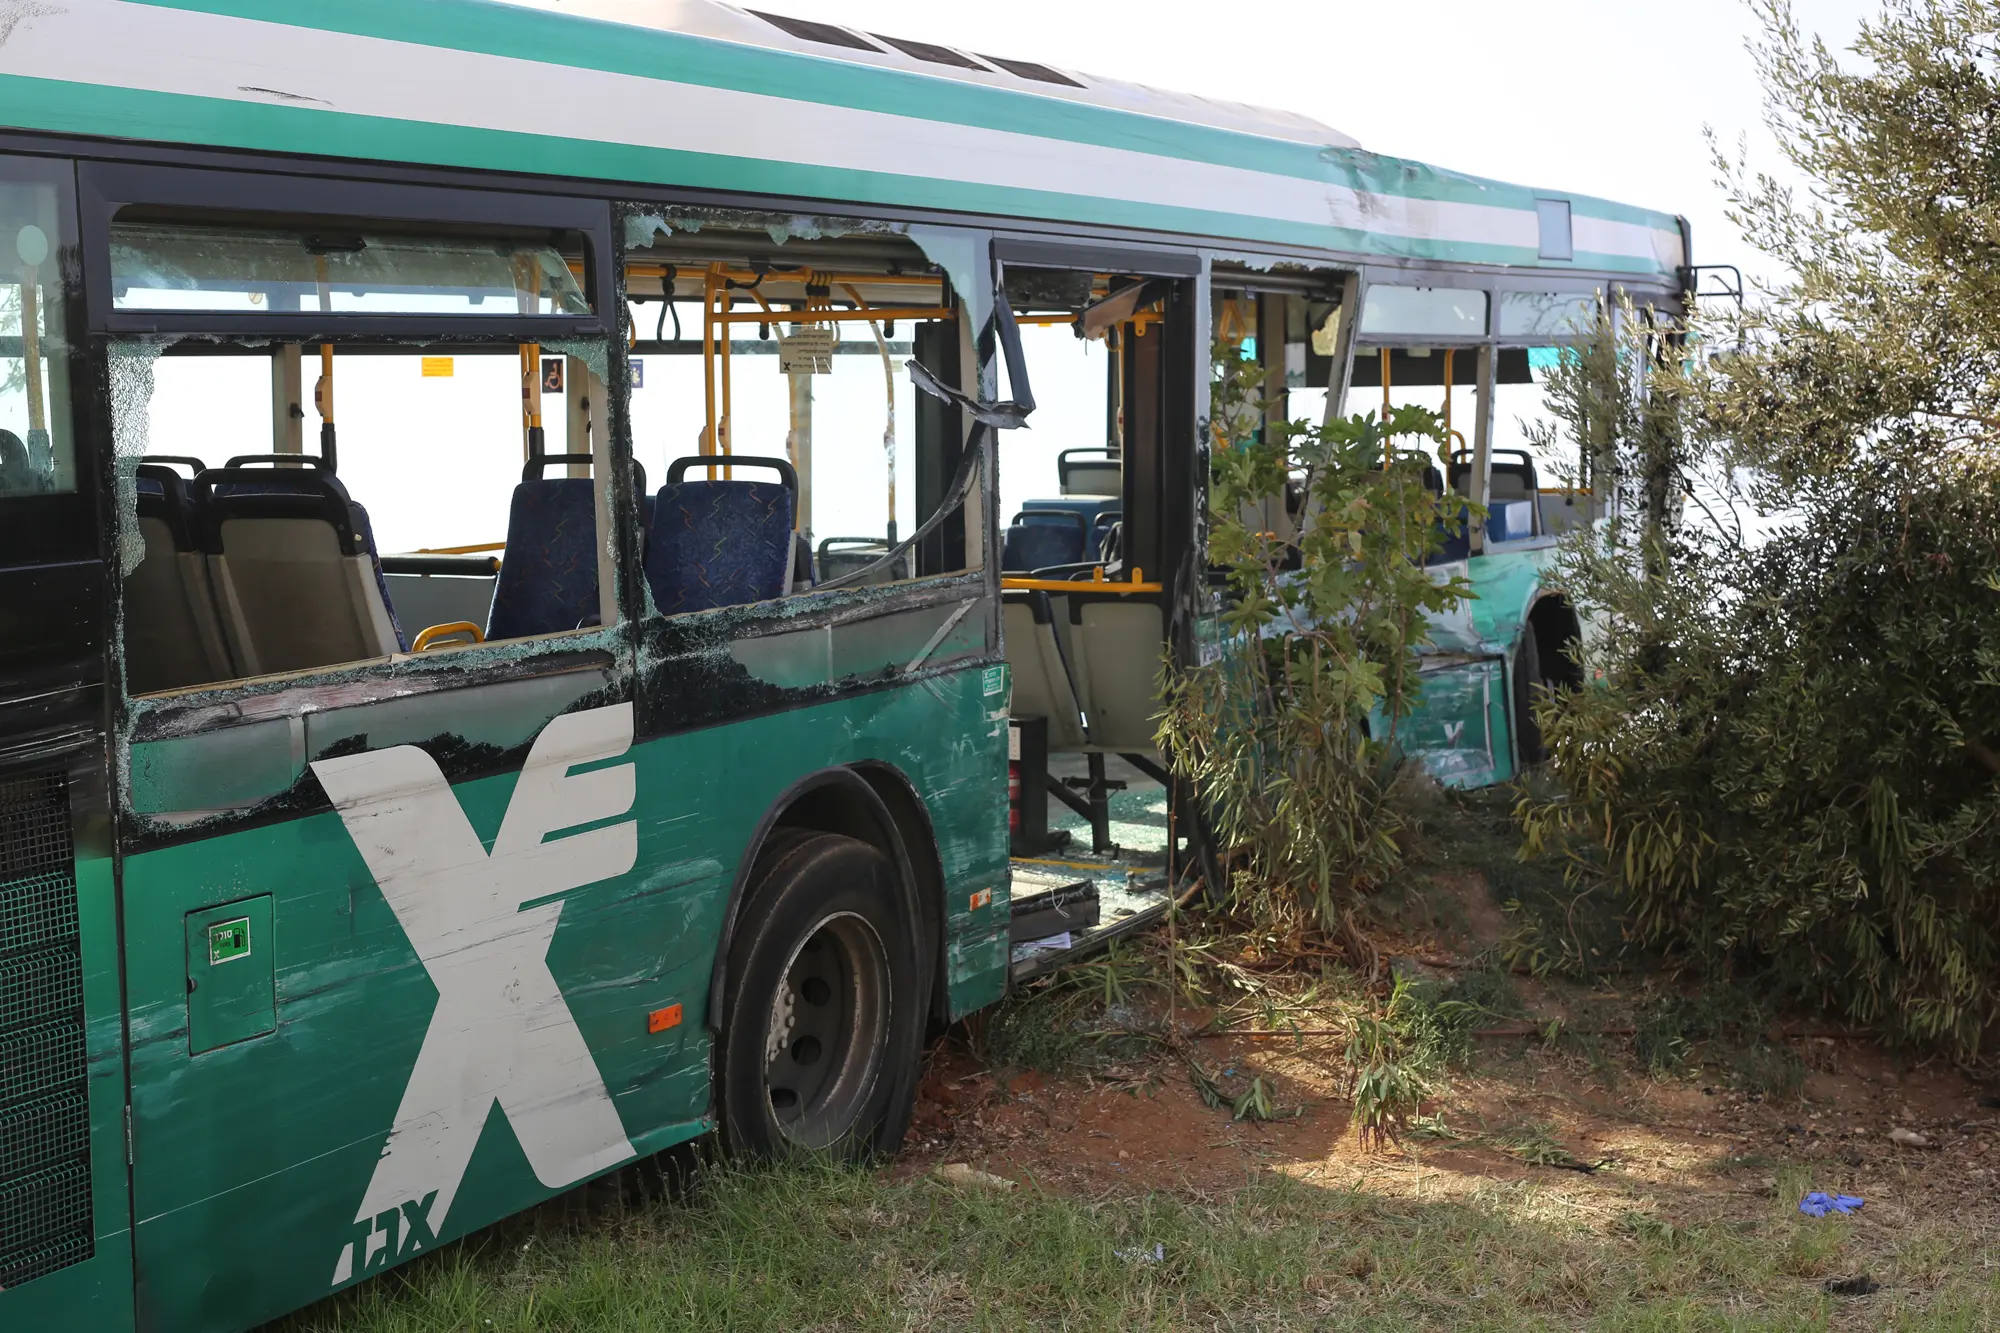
[{"x": 695, "y": 93}]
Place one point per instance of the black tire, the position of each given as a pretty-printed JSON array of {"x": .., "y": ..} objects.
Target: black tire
[
  {"x": 823, "y": 1004},
  {"x": 1527, "y": 688}
]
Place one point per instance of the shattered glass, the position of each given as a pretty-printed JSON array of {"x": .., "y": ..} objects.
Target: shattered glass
[
  {"x": 132, "y": 362},
  {"x": 166, "y": 266}
]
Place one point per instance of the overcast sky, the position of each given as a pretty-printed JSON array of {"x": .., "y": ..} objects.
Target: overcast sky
[{"x": 1602, "y": 97}]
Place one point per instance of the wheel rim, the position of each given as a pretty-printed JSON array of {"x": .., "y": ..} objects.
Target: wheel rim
[{"x": 823, "y": 1044}]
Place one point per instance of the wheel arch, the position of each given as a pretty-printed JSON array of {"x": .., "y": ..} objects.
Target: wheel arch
[
  {"x": 875, "y": 803},
  {"x": 1556, "y": 626}
]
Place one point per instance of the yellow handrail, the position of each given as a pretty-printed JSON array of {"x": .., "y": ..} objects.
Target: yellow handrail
[
  {"x": 1096, "y": 583},
  {"x": 437, "y": 633},
  {"x": 480, "y": 549},
  {"x": 798, "y": 276},
  {"x": 823, "y": 316}
]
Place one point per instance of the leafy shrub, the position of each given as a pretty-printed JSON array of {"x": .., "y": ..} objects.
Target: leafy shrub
[
  {"x": 1794, "y": 756},
  {"x": 1273, "y": 729}
]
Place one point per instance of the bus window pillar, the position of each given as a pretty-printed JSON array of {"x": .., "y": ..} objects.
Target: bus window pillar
[
  {"x": 1340, "y": 371},
  {"x": 982, "y": 503},
  {"x": 1482, "y": 442},
  {"x": 582, "y": 392},
  {"x": 288, "y": 399}
]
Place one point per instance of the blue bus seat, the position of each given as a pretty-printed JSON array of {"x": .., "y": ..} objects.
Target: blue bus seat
[
  {"x": 1041, "y": 538},
  {"x": 716, "y": 543},
  {"x": 1100, "y": 514},
  {"x": 548, "y": 580}
]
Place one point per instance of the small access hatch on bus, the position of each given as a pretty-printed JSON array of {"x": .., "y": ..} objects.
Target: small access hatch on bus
[{"x": 232, "y": 985}]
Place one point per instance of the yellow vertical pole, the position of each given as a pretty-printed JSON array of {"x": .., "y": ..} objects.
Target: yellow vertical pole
[
  {"x": 531, "y": 400},
  {"x": 708, "y": 361},
  {"x": 724, "y": 444},
  {"x": 323, "y": 400},
  {"x": 1448, "y": 354}
]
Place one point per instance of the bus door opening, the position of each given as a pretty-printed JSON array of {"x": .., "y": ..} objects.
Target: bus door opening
[{"x": 1097, "y": 502}]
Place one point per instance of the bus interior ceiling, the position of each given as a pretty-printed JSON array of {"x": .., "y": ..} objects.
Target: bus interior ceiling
[{"x": 1087, "y": 551}]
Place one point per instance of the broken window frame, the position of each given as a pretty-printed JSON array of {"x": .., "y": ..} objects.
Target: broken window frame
[
  {"x": 1363, "y": 374},
  {"x": 729, "y": 298},
  {"x": 107, "y": 187}
]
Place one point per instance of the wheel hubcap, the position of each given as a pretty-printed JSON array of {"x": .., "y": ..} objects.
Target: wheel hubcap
[{"x": 829, "y": 1023}]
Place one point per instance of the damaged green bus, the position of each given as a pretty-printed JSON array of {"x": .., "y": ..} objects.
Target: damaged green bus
[{"x": 529, "y": 632}]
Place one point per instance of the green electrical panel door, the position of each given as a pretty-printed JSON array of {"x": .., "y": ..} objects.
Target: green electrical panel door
[{"x": 232, "y": 985}]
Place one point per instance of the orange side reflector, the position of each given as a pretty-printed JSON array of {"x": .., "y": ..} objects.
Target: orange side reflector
[
  {"x": 983, "y": 898},
  {"x": 662, "y": 1019}
]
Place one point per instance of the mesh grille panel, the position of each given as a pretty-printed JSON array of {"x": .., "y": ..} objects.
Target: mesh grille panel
[
  {"x": 48, "y": 1130},
  {"x": 34, "y": 827},
  {"x": 39, "y": 988},
  {"x": 43, "y": 1206},
  {"x": 40, "y": 1060},
  {"x": 37, "y": 911},
  {"x": 45, "y": 1211},
  {"x": 39, "y": 1260}
]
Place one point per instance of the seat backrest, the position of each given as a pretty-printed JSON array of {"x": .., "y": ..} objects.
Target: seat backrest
[
  {"x": 364, "y": 532},
  {"x": 172, "y": 637},
  {"x": 285, "y": 480},
  {"x": 294, "y": 582},
  {"x": 1511, "y": 481},
  {"x": 1121, "y": 643},
  {"x": 548, "y": 578},
  {"x": 1041, "y": 538},
  {"x": 722, "y": 543},
  {"x": 1044, "y": 680},
  {"x": 1107, "y": 518},
  {"x": 846, "y": 557},
  {"x": 1095, "y": 471}
]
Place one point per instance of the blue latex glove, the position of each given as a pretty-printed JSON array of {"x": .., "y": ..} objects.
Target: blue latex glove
[{"x": 1817, "y": 1204}]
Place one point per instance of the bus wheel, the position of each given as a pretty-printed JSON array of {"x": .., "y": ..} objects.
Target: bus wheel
[
  {"x": 819, "y": 1050},
  {"x": 1527, "y": 682}
]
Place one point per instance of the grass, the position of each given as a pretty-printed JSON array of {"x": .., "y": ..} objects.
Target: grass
[{"x": 824, "y": 1247}]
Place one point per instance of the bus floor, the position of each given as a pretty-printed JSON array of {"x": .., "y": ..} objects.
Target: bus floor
[{"x": 1129, "y": 882}]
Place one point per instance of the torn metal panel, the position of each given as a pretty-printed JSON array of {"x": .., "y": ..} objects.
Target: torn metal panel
[
  {"x": 1460, "y": 727},
  {"x": 201, "y": 762},
  {"x": 959, "y": 251}
]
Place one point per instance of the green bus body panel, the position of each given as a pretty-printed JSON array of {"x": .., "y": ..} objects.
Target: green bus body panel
[
  {"x": 1462, "y": 727},
  {"x": 253, "y": 1158},
  {"x": 94, "y": 1296},
  {"x": 1505, "y": 587}
]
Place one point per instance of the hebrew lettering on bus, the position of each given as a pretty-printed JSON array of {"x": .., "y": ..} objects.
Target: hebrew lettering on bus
[{"x": 482, "y": 924}]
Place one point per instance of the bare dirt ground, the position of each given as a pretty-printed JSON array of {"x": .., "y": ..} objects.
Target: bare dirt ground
[{"x": 1581, "y": 1119}]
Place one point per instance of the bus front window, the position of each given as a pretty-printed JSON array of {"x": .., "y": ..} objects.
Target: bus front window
[{"x": 37, "y": 450}]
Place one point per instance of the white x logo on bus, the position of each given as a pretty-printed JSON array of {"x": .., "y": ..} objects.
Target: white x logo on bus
[{"x": 482, "y": 926}]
